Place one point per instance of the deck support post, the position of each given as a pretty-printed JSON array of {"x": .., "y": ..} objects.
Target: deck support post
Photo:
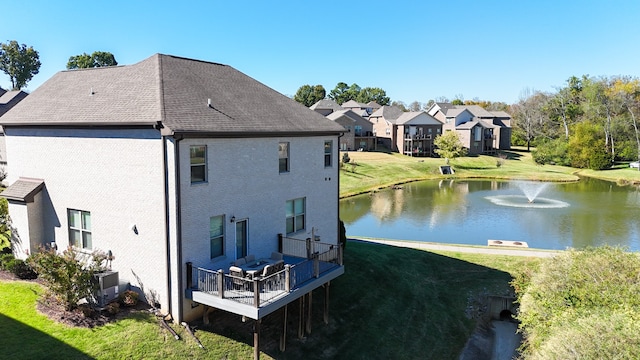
[
  {"x": 308, "y": 321},
  {"x": 205, "y": 314},
  {"x": 301, "y": 317},
  {"x": 326, "y": 303},
  {"x": 283, "y": 336},
  {"x": 256, "y": 339}
]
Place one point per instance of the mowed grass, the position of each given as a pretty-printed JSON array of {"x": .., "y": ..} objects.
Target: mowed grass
[
  {"x": 392, "y": 302},
  {"x": 376, "y": 170}
]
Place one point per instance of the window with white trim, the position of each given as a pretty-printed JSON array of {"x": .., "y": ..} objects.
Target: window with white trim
[
  {"x": 216, "y": 236},
  {"x": 283, "y": 157},
  {"x": 295, "y": 214},
  {"x": 198, "y": 160},
  {"x": 79, "y": 228},
  {"x": 328, "y": 153}
]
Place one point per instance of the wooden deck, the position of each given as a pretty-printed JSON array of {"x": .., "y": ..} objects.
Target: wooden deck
[
  {"x": 308, "y": 266},
  {"x": 241, "y": 301}
]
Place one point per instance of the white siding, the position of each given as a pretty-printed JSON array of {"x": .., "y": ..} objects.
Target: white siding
[{"x": 117, "y": 175}]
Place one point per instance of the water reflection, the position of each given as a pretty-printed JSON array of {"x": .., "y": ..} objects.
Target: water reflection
[{"x": 593, "y": 213}]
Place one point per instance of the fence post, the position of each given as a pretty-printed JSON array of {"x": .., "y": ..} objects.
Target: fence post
[
  {"x": 221, "y": 283},
  {"x": 287, "y": 278},
  {"x": 189, "y": 275}
]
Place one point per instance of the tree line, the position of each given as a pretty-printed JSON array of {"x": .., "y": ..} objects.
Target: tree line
[
  {"x": 589, "y": 122},
  {"x": 21, "y": 62}
]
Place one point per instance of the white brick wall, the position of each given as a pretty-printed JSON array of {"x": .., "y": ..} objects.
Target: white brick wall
[{"x": 117, "y": 175}]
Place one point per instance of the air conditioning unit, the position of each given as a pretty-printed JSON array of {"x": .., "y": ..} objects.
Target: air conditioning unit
[{"x": 107, "y": 287}]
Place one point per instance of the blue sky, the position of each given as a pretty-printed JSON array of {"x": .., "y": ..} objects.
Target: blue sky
[{"x": 414, "y": 50}]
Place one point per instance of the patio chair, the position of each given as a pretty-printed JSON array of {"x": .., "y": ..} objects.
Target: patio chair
[
  {"x": 238, "y": 276},
  {"x": 277, "y": 256},
  {"x": 250, "y": 258},
  {"x": 278, "y": 266}
]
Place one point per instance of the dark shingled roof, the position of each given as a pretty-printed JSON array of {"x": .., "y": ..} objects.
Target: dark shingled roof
[
  {"x": 172, "y": 90},
  {"x": 23, "y": 190}
]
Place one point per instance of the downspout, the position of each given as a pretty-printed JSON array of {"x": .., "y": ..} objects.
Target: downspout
[
  {"x": 167, "y": 218},
  {"x": 178, "y": 224},
  {"x": 338, "y": 185},
  {"x": 168, "y": 221}
]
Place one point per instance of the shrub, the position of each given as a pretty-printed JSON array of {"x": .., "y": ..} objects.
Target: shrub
[
  {"x": 22, "y": 270},
  {"x": 572, "y": 299},
  {"x": 113, "y": 307},
  {"x": 68, "y": 276},
  {"x": 552, "y": 152},
  {"x": 4, "y": 260},
  {"x": 128, "y": 298},
  {"x": 345, "y": 158}
]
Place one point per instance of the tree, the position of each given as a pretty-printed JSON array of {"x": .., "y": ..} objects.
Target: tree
[
  {"x": 96, "y": 59},
  {"x": 449, "y": 145},
  {"x": 369, "y": 94},
  {"x": 20, "y": 62},
  {"x": 401, "y": 105},
  {"x": 587, "y": 148},
  {"x": 415, "y": 106},
  {"x": 5, "y": 225},
  {"x": 343, "y": 93},
  {"x": 308, "y": 95},
  {"x": 529, "y": 119},
  {"x": 628, "y": 90}
]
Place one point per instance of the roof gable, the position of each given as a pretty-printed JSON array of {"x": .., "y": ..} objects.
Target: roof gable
[
  {"x": 389, "y": 113},
  {"x": 417, "y": 118},
  {"x": 326, "y": 104}
]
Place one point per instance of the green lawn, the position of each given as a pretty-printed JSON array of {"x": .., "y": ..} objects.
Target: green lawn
[
  {"x": 391, "y": 303},
  {"x": 375, "y": 170}
]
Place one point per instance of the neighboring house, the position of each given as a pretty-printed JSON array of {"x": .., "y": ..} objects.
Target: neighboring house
[
  {"x": 361, "y": 109},
  {"x": 417, "y": 129},
  {"x": 410, "y": 133},
  {"x": 481, "y": 131},
  {"x": 178, "y": 167},
  {"x": 325, "y": 107},
  {"x": 383, "y": 121},
  {"x": 8, "y": 99},
  {"x": 359, "y": 135}
]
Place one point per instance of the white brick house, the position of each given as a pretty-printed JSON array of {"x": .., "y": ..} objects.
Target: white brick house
[{"x": 166, "y": 162}]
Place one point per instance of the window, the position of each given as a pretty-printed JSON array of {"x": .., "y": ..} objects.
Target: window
[
  {"x": 328, "y": 153},
  {"x": 216, "y": 235},
  {"x": 477, "y": 134},
  {"x": 283, "y": 155},
  {"x": 295, "y": 215},
  {"x": 358, "y": 130},
  {"x": 80, "y": 228},
  {"x": 198, "y": 159}
]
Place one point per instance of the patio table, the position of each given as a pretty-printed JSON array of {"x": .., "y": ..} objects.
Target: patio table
[{"x": 256, "y": 267}]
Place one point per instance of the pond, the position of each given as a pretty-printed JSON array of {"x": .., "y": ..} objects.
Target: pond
[{"x": 589, "y": 212}]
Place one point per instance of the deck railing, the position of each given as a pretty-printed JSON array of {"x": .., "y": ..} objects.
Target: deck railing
[{"x": 260, "y": 291}]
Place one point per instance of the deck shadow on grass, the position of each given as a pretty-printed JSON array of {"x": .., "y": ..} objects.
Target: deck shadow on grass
[{"x": 20, "y": 341}]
